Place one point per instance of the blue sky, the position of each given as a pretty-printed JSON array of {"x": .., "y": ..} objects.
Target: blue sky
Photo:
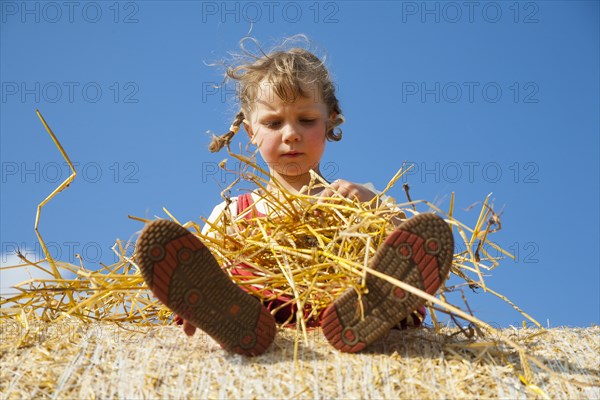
[{"x": 483, "y": 97}]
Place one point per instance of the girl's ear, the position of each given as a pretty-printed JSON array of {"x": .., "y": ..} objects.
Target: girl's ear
[
  {"x": 332, "y": 118},
  {"x": 248, "y": 130}
]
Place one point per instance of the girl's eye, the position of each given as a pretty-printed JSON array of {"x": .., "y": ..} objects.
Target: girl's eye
[{"x": 275, "y": 124}]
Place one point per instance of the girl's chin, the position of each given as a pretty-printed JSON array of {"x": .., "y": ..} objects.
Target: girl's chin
[
  {"x": 292, "y": 170},
  {"x": 292, "y": 175}
]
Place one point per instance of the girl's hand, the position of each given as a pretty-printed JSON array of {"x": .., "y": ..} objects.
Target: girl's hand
[{"x": 348, "y": 190}]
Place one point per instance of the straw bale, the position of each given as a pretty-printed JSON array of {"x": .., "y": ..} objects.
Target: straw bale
[
  {"x": 76, "y": 360},
  {"x": 82, "y": 333}
]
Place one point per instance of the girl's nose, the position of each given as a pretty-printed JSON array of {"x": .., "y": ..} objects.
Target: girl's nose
[{"x": 291, "y": 133}]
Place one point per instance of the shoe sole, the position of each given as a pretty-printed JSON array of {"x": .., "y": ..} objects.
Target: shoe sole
[
  {"x": 419, "y": 252},
  {"x": 184, "y": 275}
]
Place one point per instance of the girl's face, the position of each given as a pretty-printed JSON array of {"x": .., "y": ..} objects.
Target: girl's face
[{"x": 289, "y": 136}]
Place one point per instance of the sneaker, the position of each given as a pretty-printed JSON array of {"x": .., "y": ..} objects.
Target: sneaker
[
  {"x": 183, "y": 274},
  {"x": 419, "y": 252}
]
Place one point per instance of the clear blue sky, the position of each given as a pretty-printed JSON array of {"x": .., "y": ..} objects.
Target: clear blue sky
[{"x": 484, "y": 97}]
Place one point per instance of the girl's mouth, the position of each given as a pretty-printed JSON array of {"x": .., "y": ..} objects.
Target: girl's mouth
[{"x": 292, "y": 154}]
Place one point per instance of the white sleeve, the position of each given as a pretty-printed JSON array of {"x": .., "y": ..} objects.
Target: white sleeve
[{"x": 216, "y": 216}]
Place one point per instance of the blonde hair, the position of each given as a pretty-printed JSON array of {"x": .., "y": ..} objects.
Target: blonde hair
[{"x": 293, "y": 73}]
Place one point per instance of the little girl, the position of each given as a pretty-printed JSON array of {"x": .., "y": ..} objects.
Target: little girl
[{"x": 289, "y": 110}]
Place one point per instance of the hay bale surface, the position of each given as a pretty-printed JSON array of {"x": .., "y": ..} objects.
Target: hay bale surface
[{"x": 75, "y": 360}]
